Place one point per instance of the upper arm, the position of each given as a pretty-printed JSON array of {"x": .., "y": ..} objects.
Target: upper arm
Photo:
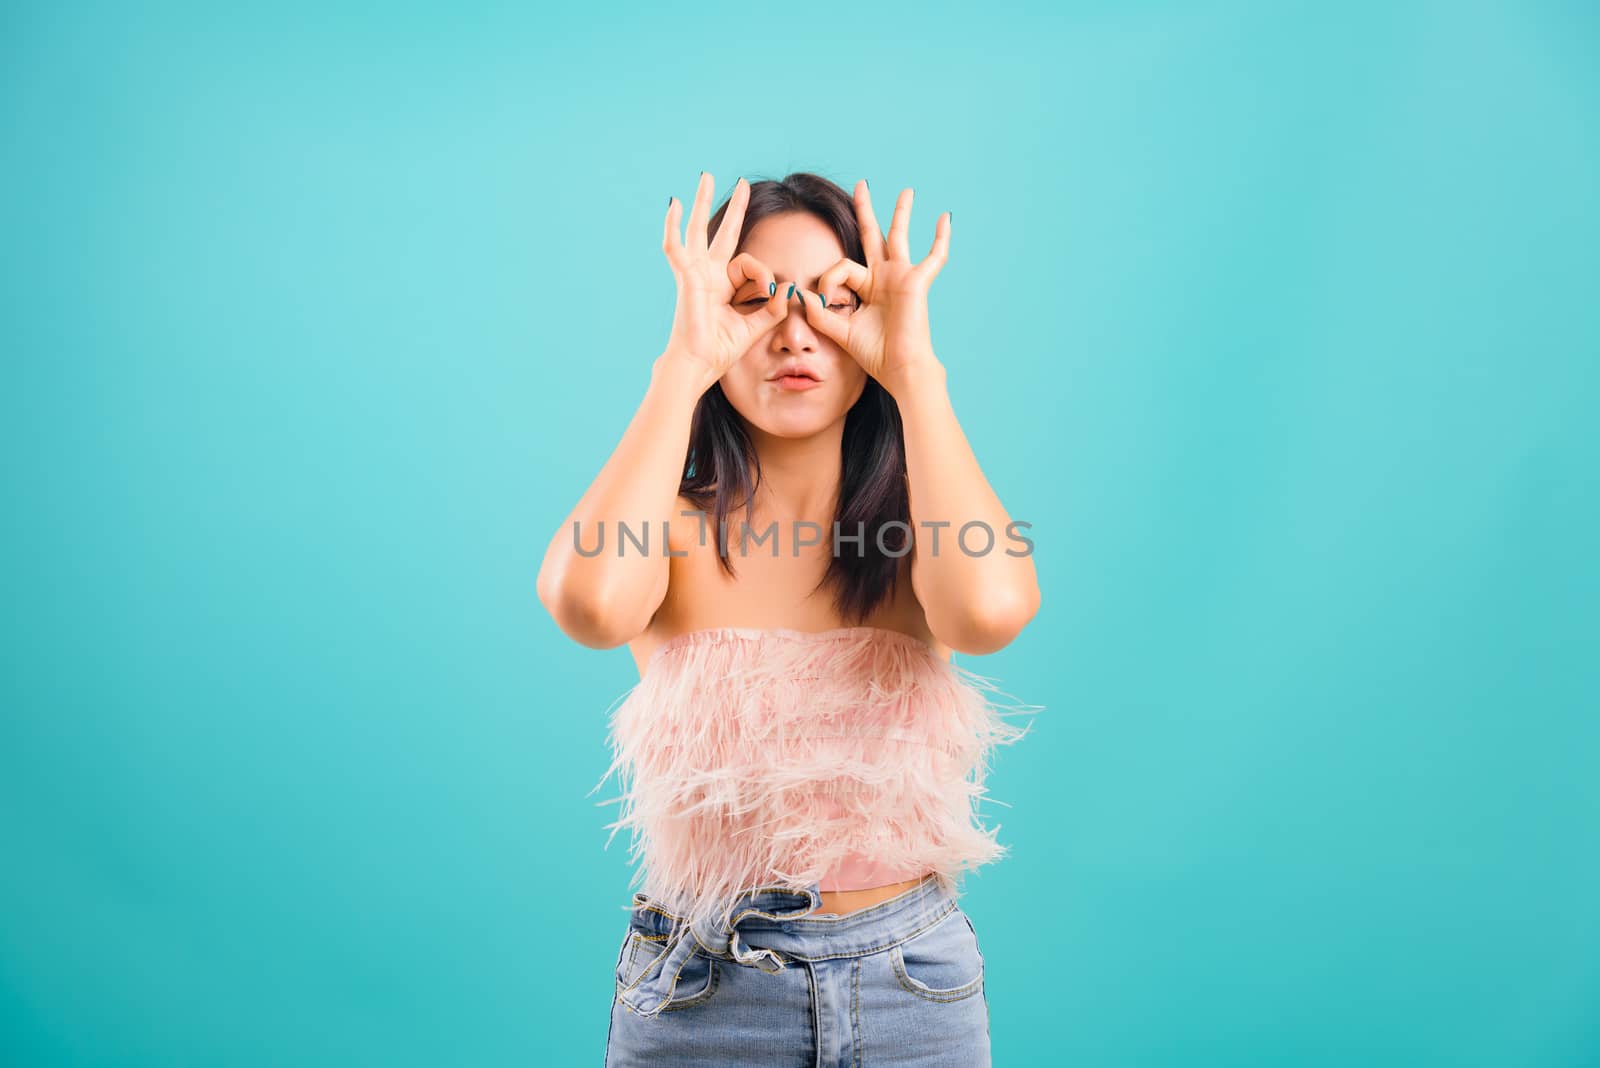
[
  {"x": 683, "y": 534},
  {"x": 606, "y": 620},
  {"x": 979, "y": 626}
]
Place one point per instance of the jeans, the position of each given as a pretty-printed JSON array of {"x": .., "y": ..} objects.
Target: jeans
[{"x": 896, "y": 983}]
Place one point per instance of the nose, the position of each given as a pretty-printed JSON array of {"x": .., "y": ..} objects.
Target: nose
[{"x": 795, "y": 332}]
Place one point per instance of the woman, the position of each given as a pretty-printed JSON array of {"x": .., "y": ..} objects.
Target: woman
[{"x": 803, "y": 755}]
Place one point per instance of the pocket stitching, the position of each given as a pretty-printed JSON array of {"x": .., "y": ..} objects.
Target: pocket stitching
[
  {"x": 634, "y": 939},
  {"x": 928, "y": 993},
  {"x": 711, "y": 987}
]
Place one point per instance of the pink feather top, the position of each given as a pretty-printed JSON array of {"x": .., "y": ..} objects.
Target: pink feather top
[{"x": 848, "y": 758}]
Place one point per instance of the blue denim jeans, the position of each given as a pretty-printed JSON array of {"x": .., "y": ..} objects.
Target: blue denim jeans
[{"x": 897, "y": 983}]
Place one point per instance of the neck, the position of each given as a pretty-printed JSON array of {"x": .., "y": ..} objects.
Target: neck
[{"x": 799, "y": 476}]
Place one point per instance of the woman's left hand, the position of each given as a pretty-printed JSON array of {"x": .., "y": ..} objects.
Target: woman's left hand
[{"x": 887, "y": 334}]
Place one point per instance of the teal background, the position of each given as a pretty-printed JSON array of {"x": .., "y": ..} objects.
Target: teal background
[{"x": 1277, "y": 321}]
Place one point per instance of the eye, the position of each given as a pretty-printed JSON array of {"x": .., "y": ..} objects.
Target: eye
[{"x": 762, "y": 300}]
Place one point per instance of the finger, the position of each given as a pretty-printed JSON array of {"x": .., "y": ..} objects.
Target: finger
[
  {"x": 871, "y": 236},
  {"x": 775, "y": 312},
  {"x": 846, "y": 274},
  {"x": 899, "y": 226},
  {"x": 672, "y": 236},
  {"x": 829, "y": 323},
  {"x": 940, "y": 252},
  {"x": 727, "y": 238},
  {"x": 746, "y": 268},
  {"x": 700, "y": 214}
]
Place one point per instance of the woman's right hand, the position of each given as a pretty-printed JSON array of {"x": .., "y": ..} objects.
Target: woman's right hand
[{"x": 709, "y": 334}]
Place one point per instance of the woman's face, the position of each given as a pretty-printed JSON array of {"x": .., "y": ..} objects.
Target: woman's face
[{"x": 796, "y": 247}]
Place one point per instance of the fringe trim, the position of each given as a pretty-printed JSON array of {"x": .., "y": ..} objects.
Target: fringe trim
[{"x": 765, "y": 757}]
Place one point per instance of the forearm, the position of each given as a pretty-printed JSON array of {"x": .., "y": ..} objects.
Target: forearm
[
  {"x": 975, "y": 588},
  {"x": 602, "y": 599}
]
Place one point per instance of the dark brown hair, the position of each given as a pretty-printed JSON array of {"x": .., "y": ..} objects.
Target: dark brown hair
[{"x": 722, "y": 466}]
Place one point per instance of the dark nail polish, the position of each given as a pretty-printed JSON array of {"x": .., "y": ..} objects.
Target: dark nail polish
[
  {"x": 772, "y": 287},
  {"x": 822, "y": 300},
  {"x": 789, "y": 294}
]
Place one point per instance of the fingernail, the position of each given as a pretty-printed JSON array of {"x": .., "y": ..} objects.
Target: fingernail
[
  {"x": 822, "y": 300},
  {"x": 789, "y": 294},
  {"x": 772, "y": 287}
]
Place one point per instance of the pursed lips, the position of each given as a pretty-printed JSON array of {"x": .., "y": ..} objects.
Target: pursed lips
[{"x": 798, "y": 370}]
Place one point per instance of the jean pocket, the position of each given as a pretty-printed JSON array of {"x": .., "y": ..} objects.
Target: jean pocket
[
  {"x": 640, "y": 961},
  {"x": 639, "y": 951},
  {"x": 942, "y": 963}
]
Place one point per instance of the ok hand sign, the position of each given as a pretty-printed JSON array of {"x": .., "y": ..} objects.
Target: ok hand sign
[{"x": 888, "y": 333}]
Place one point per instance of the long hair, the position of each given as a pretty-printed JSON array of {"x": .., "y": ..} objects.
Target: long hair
[{"x": 722, "y": 467}]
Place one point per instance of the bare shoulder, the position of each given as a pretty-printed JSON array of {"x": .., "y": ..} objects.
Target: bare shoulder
[
  {"x": 690, "y": 526},
  {"x": 774, "y": 591}
]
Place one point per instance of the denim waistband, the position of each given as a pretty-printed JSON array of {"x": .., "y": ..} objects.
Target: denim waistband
[{"x": 769, "y": 928}]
